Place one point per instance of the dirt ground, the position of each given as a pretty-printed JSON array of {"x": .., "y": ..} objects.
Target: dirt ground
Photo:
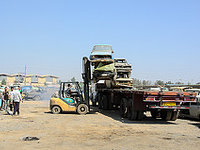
[{"x": 97, "y": 130}]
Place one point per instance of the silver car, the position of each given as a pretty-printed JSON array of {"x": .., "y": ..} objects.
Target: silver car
[
  {"x": 194, "y": 111},
  {"x": 194, "y": 107}
]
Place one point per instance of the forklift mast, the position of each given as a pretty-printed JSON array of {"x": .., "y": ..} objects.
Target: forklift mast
[{"x": 86, "y": 75}]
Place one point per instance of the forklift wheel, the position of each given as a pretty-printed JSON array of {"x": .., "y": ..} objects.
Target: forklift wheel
[
  {"x": 56, "y": 110},
  {"x": 82, "y": 109}
]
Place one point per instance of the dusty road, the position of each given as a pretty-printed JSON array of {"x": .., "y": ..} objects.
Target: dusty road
[{"x": 98, "y": 130}]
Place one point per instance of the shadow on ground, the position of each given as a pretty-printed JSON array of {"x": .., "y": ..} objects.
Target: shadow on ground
[
  {"x": 195, "y": 124},
  {"x": 114, "y": 114},
  {"x": 91, "y": 112},
  {"x": 187, "y": 118}
]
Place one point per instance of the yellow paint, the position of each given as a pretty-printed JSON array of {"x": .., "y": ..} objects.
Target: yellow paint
[
  {"x": 54, "y": 80},
  {"x": 28, "y": 79},
  {"x": 10, "y": 80},
  {"x": 37, "y": 84},
  {"x": 63, "y": 105},
  {"x": 41, "y": 80},
  {"x": 169, "y": 104}
]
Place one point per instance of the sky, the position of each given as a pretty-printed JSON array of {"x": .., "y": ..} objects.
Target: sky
[{"x": 161, "y": 39}]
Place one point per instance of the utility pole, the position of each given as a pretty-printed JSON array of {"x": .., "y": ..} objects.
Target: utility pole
[{"x": 25, "y": 74}]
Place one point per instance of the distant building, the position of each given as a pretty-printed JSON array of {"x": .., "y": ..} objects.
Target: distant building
[{"x": 33, "y": 80}]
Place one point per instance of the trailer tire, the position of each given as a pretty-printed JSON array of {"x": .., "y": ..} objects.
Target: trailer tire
[
  {"x": 105, "y": 102},
  {"x": 129, "y": 110},
  {"x": 154, "y": 114},
  {"x": 166, "y": 115},
  {"x": 123, "y": 108},
  {"x": 140, "y": 115},
  {"x": 99, "y": 100},
  {"x": 174, "y": 115},
  {"x": 132, "y": 115},
  {"x": 82, "y": 109}
]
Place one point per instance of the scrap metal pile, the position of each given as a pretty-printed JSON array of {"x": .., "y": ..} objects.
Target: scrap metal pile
[{"x": 114, "y": 72}]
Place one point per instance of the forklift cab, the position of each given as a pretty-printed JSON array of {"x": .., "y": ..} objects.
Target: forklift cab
[
  {"x": 71, "y": 92},
  {"x": 69, "y": 99}
]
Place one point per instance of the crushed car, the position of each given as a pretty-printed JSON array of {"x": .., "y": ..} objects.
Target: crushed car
[{"x": 32, "y": 93}]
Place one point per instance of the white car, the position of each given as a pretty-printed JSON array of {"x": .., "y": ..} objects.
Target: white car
[
  {"x": 195, "y": 91},
  {"x": 194, "y": 110}
]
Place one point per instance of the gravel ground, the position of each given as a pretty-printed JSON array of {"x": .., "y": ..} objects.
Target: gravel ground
[{"x": 97, "y": 130}]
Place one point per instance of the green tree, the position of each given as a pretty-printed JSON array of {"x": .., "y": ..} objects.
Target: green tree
[
  {"x": 179, "y": 82},
  {"x": 169, "y": 82},
  {"x": 159, "y": 82},
  {"x": 3, "y": 82},
  {"x": 73, "y": 79}
]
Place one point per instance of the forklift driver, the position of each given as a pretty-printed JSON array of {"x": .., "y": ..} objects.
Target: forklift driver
[{"x": 68, "y": 91}]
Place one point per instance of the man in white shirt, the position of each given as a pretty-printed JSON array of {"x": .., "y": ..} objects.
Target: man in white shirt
[{"x": 16, "y": 97}]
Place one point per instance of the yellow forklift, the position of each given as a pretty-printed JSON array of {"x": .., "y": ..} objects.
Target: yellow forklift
[{"x": 70, "y": 97}]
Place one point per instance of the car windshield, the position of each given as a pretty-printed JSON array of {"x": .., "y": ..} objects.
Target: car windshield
[
  {"x": 191, "y": 90},
  {"x": 120, "y": 61},
  {"x": 106, "y": 48},
  {"x": 73, "y": 87}
]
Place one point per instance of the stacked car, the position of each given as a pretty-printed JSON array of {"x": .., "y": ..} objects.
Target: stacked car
[{"x": 115, "y": 72}]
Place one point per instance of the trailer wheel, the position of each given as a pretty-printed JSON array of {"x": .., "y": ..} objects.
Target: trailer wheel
[
  {"x": 129, "y": 110},
  {"x": 123, "y": 108},
  {"x": 132, "y": 115},
  {"x": 166, "y": 115},
  {"x": 56, "y": 110},
  {"x": 154, "y": 114},
  {"x": 82, "y": 109},
  {"x": 99, "y": 100},
  {"x": 104, "y": 102},
  {"x": 140, "y": 115},
  {"x": 174, "y": 115}
]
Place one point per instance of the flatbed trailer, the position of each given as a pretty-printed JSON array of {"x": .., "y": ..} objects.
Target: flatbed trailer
[{"x": 133, "y": 103}]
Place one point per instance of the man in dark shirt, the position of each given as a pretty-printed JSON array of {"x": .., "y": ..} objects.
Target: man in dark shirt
[
  {"x": 68, "y": 91},
  {"x": 6, "y": 99}
]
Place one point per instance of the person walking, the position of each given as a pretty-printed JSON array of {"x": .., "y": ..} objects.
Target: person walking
[
  {"x": 16, "y": 99},
  {"x": 11, "y": 98},
  {"x": 6, "y": 99}
]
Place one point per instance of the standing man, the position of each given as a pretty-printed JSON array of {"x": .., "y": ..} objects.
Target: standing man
[
  {"x": 11, "y": 98},
  {"x": 6, "y": 99},
  {"x": 16, "y": 99}
]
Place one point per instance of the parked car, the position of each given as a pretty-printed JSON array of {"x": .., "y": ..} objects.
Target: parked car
[
  {"x": 193, "y": 112},
  {"x": 194, "y": 106},
  {"x": 33, "y": 93}
]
